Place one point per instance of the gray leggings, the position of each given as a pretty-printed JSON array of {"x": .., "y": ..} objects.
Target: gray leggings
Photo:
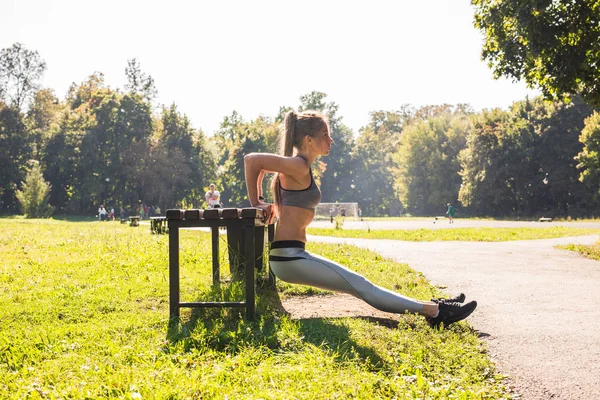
[{"x": 290, "y": 262}]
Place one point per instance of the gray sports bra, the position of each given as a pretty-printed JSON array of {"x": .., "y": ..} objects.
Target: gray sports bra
[{"x": 307, "y": 198}]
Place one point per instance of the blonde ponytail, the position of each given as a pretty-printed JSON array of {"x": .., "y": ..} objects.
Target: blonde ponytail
[{"x": 286, "y": 145}]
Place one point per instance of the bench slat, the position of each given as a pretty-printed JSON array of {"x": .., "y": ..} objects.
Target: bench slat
[
  {"x": 212, "y": 213},
  {"x": 252, "y": 213},
  {"x": 174, "y": 214},
  {"x": 193, "y": 214},
  {"x": 232, "y": 213}
]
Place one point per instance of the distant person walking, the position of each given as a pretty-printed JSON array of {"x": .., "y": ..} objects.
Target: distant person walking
[{"x": 450, "y": 214}]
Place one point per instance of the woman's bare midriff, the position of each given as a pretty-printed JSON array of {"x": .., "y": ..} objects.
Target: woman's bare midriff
[{"x": 292, "y": 223}]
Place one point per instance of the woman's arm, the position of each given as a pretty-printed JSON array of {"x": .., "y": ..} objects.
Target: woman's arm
[
  {"x": 255, "y": 164},
  {"x": 259, "y": 182}
]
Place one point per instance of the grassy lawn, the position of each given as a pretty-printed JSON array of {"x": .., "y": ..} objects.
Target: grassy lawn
[
  {"x": 85, "y": 315},
  {"x": 462, "y": 234},
  {"x": 590, "y": 251}
]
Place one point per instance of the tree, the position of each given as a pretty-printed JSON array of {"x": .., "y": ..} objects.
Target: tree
[
  {"x": 237, "y": 138},
  {"x": 42, "y": 119},
  {"x": 554, "y": 45},
  {"x": 373, "y": 157},
  {"x": 427, "y": 166},
  {"x": 15, "y": 145},
  {"x": 187, "y": 146},
  {"x": 496, "y": 164},
  {"x": 589, "y": 162},
  {"x": 521, "y": 162},
  {"x": 35, "y": 194},
  {"x": 20, "y": 71},
  {"x": 138, "y": 82}
]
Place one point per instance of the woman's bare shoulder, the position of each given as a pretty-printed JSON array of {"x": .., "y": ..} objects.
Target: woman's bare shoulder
[{"x": 293, "y": 166}]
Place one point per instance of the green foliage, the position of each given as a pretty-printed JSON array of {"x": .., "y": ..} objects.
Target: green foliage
[
  {"x": 35, "y": 194},
  {"x": 589, "y": 251},
  {"x": 339, "y": 222},
  {"x": 427, "y": 167},
  {"x": 374, "y": 179},
  {"x": 521, "y": 162},
  {"x": 589, "y": 157},
  {"x": 85, "y": 315},
  {"x": 190, "y": 166},
  {"x": 554, "y": 45},
  {"x": 15, "y": 145},
  {"x": 138, "y": 82},
  {"x": 42, "y": 120},
  {"x": 235, "y": 139}
]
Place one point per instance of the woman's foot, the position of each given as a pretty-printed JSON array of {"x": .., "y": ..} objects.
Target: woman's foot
[{"x": 451, "y": 312}]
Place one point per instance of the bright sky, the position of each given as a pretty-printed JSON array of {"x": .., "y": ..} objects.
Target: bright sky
[{"x": 213, "y": 57}]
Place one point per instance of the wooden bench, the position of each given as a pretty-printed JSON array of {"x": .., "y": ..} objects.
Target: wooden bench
[
  {"x": 134, "y": 221},
  {"x": 158, "y": 225},
  {"x": 545, "y": 219},
  {"x": 246, "y": 231}
]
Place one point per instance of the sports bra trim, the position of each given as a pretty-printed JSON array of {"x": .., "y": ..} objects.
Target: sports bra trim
[{"x": 312, "y": 180}]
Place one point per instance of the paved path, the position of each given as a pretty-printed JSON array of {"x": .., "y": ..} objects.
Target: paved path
[
  {"x": 539, "y": 307},
  {"x": 431, "y": 223}
]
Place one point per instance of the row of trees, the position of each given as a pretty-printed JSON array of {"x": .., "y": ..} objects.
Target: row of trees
[{"x": 116, "y": 147}]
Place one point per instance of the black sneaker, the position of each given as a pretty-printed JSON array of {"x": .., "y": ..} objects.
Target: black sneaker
[
  {"x": 457, "y": 299},
  {"x": 451, "y": 312}
]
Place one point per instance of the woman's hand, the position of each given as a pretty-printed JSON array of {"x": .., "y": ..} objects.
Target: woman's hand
[{"x": 267, "y": 208}]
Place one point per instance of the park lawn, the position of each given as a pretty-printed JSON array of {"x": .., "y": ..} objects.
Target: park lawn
[
  {"x": 458, "y": 234},
  {"x": 85, "y": 315}
]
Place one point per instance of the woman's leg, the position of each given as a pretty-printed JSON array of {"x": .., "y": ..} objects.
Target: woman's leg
[{"x": 296, "y": 265}]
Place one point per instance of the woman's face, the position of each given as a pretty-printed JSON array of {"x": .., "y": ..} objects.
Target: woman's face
[{"x": 322, "y": 142}]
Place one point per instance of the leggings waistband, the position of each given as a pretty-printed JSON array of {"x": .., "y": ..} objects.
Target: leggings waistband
[{"x": 282, "y": 244}]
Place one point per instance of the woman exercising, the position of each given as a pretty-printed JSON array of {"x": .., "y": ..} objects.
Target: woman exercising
[{"x": 303, "y": 138}]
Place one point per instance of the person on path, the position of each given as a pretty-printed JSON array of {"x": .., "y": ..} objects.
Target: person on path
[
  {"x": 450, "y": 214},
  {"x": 303, "y": 139}
]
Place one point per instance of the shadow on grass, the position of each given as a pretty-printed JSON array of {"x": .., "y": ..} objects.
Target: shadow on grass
[
  {"x": 226, "y": 330},
  {"x": 335, "y": 337}
]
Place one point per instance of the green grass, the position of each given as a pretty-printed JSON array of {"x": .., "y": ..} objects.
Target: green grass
[
  {"x": 85, "y": 315},
  {"x": 590, "y": 251},
  {"x": 459, "y": 234}
]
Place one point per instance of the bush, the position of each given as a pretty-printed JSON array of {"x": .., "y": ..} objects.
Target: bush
[{"x": 35, "y": 194}]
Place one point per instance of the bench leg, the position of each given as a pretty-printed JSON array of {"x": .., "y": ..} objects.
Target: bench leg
[
  {"x": 270, "y": 236},
  {"x": 259, "y": 246},
  {"x": 235, "y": 248},
  {"x": 216, "y": 271},
  {"x": 249, "y": 236},
  {"x": 174, "y": 272}
]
